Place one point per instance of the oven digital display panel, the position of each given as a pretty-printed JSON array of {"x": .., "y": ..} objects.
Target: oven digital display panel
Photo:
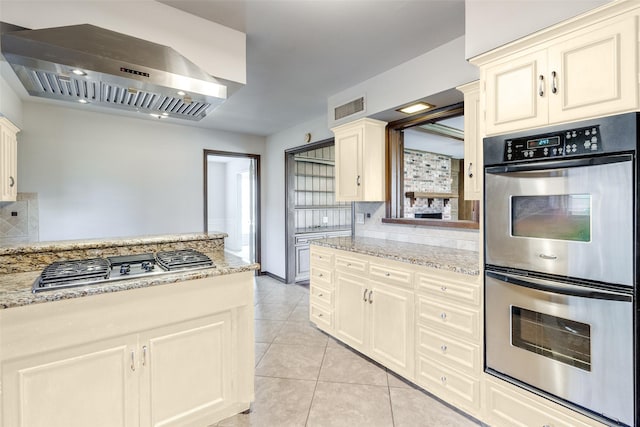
[
  {"x": 558, "y": 217},
  {"x": 564, "y": 340},
  {"x": 543, "y": 142}
]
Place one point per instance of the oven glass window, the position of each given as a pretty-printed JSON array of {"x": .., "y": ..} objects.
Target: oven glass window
[
  {"x": 560, "y": 339},
  {"x": 560, "y": 217}
]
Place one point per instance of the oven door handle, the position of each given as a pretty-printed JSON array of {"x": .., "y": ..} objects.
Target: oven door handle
[
  {"x": 559, "y": 288},
  {"x": 560, "y": 164}
]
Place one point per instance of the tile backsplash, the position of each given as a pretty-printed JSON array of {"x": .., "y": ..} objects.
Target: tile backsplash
[
  {"x": 19, "y": 220},
  {"x": 435, "y": 236}
]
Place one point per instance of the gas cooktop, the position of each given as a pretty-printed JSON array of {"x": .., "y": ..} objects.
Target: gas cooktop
[{"x": 66, "y": 274}]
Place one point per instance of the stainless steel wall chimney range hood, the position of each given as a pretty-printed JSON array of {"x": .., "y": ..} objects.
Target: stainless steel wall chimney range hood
[{"x": 89, "y": 64}]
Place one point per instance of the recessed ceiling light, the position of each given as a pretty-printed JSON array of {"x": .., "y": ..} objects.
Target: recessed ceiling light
[
  {"x": 181, "y": 93},
  {"x": 165, "y": 114},
  {"x": 78, "y": 72},
  {"x": 83, "y": 101},
  {"x": 158, "y": 116},
  {"x": 415, "y": 108}
]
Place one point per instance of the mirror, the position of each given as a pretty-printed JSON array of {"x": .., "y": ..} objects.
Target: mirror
[{"x": 427, "y": 182}]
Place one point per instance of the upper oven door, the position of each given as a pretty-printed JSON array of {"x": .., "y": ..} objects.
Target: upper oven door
[{"x": 569, "y": 218}]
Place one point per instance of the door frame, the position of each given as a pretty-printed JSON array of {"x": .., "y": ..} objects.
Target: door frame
[
  {"x": 256, "y": 158},
  {"x": 289, "y": 203}
]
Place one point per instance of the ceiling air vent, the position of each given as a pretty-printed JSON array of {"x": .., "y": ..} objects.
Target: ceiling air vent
[{"x": 348, "y": 109}]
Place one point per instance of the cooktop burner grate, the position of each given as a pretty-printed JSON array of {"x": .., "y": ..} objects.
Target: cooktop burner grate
[
  {"x": 70, "y": 271},
  {"x": 185, "y": 258}
]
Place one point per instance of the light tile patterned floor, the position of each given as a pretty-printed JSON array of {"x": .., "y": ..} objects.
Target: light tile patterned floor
[{"x": 306, "y": 378}]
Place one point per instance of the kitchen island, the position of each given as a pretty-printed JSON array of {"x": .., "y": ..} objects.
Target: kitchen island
[{"x": 172, "y": 349}]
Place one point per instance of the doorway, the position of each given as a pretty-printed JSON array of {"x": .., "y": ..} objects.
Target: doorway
[{"x": 231, "y": 201}]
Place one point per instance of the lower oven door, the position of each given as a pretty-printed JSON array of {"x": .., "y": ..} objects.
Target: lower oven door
[{"x": 569, "y": 341}]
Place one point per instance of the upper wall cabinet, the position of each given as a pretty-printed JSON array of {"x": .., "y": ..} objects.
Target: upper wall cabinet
[
  {"x": 582, "y": 69},
  {"x": 8, "y": 160},
  {"x": 472, "y": 141},
  {"x": 360, "y": 161}
]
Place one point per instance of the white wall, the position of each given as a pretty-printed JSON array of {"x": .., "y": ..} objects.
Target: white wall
[
  {"x": 218, "y": 49},
  {"x": 234, "y": 192},
  {"x": 433, "y": 72},
  {"x": 10, "y": 103},
  {"x": 217, "y": 195},
  {"x": 100, "y": 175},
  {"x": 492, "y": 23},
  {"x": 273, "y": 190}
]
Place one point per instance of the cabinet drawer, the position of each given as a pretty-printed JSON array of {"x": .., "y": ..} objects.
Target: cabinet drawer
[
  {"x": 320, "y": 257},
  {"x": 321, "y": 296},
  {"x": 449, "y": 351},
  {"x": 508, "y": 408},
  {"x": 351, "y": 265},
  {"x": 388, "y": 275},
  {"x": 448, "y": 384},
  {"x": 321, "y": 277},
  {"x": 449, "y": 318},
  {"x": 320, "y": 316},
  {"x": 446, "y": 290}
]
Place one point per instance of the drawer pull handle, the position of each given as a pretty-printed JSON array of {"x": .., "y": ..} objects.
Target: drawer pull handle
[
  {"x": 12, "y": 181},
  {"x": 443, "y": 316},
  {"x": 144, "y": 355},
  {"x": 364, "y": 295},
  {"x": 370, "y": 295},
  {"x": 320, "y": 315},
  {"x": 348, "y": 264},
  {"x": 319, "y": 256},
  {"x": 387, "y": 274},
  {"x": 443, "y": 348},
  {"x": 320, "y": 295},
  {"x": 554, "y": 82},
  {"x": 133, "y": 361},
  {"x": 541, "y": 86},
  {"x": 443, "y": 379},
  {"x": 443, "y": 288},
  {"x": 320, "y": 275}
]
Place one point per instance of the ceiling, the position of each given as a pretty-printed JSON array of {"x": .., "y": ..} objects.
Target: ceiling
[{"x": 300, "y": 52}]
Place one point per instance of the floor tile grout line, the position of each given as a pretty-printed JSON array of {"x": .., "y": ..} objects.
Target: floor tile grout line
[{"x": 324, "y": 355}]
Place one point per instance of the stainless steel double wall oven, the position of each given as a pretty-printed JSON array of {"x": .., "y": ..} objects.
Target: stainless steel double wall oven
[{"x": 561, "y": 271}]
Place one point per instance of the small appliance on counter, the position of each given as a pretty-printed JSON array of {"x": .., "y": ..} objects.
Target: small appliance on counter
[{"x": 72, "y": 273}]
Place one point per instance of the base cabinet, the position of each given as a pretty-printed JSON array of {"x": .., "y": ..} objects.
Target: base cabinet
[{"x": 171, "y": 355}]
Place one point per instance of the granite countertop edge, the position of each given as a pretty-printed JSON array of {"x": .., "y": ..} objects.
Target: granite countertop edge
[
  {"x": 63, "y": 245},
  {"x": 437, "y": 257},
  {"x": 15, "y": 289}
]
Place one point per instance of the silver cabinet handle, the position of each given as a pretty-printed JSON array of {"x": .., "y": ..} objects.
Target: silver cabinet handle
[
  {"x": 370, "y": 295},
  {"x": 443, "y": 315},
  {"x": 443, "y": 348},
  {"x": 364, "y": 295},
  {"x": 544, "y": 256},
  {"x": 320, "y": 295},
  {"x": 319, "y": 274},
  {"x": 358, "y": 181},
  {"x": 541, "y": 85},
  {"x": 387, "y": 274},
  {"x": 443, "y": 379},
  {"x": 443, "y": 288},
  {"x": 320, "y": 315},
  {"x": 554, "y": 82},
  {"x": 470, "y": 170},
  {"x": 144, "y": 355},
  {"x": 133, "y": 361},
  {"x": 12, "y": 181}
]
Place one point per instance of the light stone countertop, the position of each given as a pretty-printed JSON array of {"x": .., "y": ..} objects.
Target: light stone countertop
[
  {"x": 68, "y": 245},
  {"x": 15, "y": 288},
  {"x": 455, "y": 260}
]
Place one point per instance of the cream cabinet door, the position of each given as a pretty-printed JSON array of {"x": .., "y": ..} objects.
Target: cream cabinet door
[
  {"x": 472, "y": 141},
  {"x": 8, "y": 161},
  {"x": 186, "y": 372},
  {"x": 350, "y": 310},
  {"x": 348, "y": 168},
  {"x": 93, "y": 385},
  {"x": 516, "y": 93},
  {"x": 392, "y": 327},
  {"x": 594, "y": 72}
]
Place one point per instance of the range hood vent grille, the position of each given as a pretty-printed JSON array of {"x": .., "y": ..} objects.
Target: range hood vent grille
[{"x": 62, "y": 86}]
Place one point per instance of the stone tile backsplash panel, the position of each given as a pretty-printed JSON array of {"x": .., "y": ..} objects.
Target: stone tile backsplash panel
[{"x": 19, "y": 220}]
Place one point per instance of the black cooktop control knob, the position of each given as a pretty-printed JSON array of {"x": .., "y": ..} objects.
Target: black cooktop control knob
[
  {"x": 125, "y": 269},
  {"x": 148, "y": 266}
]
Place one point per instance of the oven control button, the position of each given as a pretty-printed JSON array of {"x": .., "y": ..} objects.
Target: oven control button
[
  {"x": 586, "y": 132},
  {"x": 509, "y": 156},
  {"x": 546, "y": 151},
  {"x": 574, "y": 134},
  {"x": 594, "y": 131},
  {"x": 560, "y": 150},
  {"x": 594, "y": 139},
  {"x": 509, "y": 150},
  {"x": 587, "y": 144},
  {"x": 594, "y": 147},
  {"x": 526, "y": 154},
  {"x": 568, "y": 135},
  {"x": 555, "y": 151}
]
